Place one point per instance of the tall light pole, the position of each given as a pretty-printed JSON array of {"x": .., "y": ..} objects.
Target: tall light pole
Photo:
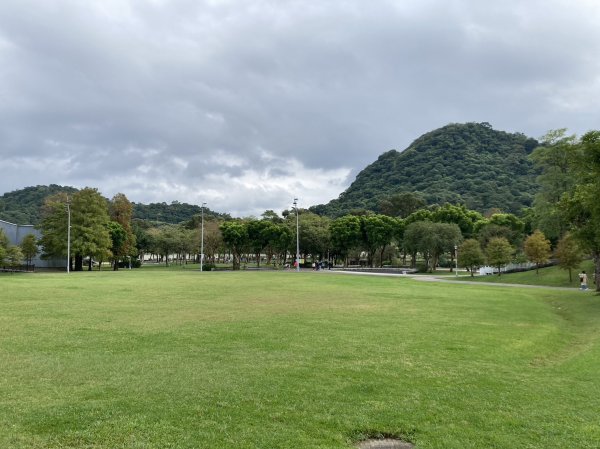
[
  {"x": 68, "y": 235},
  {"x": 297, "y": 236},
  {"x": 202, "y": 238},
  {"x": 456, "y": 258}
]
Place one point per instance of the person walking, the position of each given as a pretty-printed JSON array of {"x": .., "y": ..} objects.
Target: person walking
[{"x": 583, "y": 280}]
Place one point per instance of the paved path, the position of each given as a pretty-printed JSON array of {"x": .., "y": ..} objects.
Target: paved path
[{"x": 427, "y": 278}]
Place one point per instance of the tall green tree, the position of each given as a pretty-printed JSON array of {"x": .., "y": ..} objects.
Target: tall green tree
[
  {"x": 415, "y": 234},
  {"x": 117, "y": 238},
  {"x": 143, "y": 244},
  {"x": 377, "y": 232},
  {"x": 89, "y": 233},
  {"x": 499, "y": 252},
  {"x": 568, "y": 254},
  {"x": 121, "y": 212},
  {"x": 53, "y": 226},
  {"x": 314, "y": 233},
  {"x": 283, "y": 242},
  {"x": 470, "y": 255},
  {"x": 431, "y": 240},
  {"x": 537, "y": 249},
  {"x": 345, "y": 235},
  {"x": 14, "y": 256},
  {"x": 235, "y": 237},
  {"x": 213, "y": 239},
  {"x": 271, "y": 234},
  {"x": 29, "y": 248},
  {"x": 258, "y": 236},
  {"x": 164, "y": 241},
  {"x": 554, "y": 158},
  {"x": 581, "y": 205}
]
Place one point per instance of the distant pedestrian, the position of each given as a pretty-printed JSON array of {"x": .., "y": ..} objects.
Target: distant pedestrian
[{"x": 583, "y": 280}]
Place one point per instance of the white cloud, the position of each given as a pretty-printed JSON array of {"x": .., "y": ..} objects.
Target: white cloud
[{"x": 249, "y": 103}]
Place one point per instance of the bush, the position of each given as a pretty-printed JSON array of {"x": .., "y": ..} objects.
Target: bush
[
  {"x": 135, "y": 263},
  {"x": 208, "y": 267},
  {"x": 422, "y": 267}
]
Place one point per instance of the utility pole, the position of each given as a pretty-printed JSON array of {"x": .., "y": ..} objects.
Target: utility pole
[
  {"x": 202, "y": 238},
  {"x": 456, "y": 258},
  {"x": 297, "y": 236},
  {"x": 68, "y": 235}
]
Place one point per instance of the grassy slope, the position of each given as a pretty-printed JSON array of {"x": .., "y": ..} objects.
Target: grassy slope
[
  {"x": 175, "y": 359},
  {"x": 550, "y": 276}
]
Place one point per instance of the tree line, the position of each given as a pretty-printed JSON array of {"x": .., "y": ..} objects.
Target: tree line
[{"x": 563, "y": 222}]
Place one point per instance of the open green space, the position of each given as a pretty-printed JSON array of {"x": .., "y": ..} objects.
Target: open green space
[{"x": 179, "y": 359}]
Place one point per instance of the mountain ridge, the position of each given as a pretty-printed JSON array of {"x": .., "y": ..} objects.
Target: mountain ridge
[{"x": 469, "y": 163}]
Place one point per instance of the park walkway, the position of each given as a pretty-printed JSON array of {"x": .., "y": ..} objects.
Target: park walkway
[{"x": 443, "y": 279}]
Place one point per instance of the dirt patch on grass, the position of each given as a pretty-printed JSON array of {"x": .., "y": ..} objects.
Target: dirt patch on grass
[{"x": 386, "y": 443}]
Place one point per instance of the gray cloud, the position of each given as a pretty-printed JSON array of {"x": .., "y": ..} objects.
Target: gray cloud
[{"x": 247, "y": 104}]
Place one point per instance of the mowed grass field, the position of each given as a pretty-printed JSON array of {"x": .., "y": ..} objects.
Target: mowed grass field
[{"x": 182, "y": 359}]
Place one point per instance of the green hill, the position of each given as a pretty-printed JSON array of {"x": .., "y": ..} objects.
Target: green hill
[
  {"x": 24, "y": 207},
  {"x": 174, "y": 213},
  {"x": 467, "y": 163}
]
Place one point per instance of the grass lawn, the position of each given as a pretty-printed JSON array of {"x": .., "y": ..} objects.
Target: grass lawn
[
  {"x": 551, "y": 276},
  {"x": 178, "y": 359}
]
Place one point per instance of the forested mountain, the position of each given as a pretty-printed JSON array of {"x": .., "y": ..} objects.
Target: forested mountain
[
  {"x": 174, "y": 213},
  {"x": 23, "y": 206},
  {"x": 470, "y": 163}
]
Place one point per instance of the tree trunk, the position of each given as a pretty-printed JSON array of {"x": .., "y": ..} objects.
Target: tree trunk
[
  {"x": 78, "y": 263},
  {"x": 381, "y": 256},
  {"x": 90, "y": 264}
]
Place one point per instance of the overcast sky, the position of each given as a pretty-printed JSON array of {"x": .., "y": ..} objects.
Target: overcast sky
[{"x": 246, "y": 104}]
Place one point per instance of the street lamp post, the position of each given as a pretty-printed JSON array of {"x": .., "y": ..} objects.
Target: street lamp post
[
  {"x": 202, "y": 238},
  {"x": 68, "y": 235},
  {"x": 297, "y": 236},
  {"x": 456, "y": 258}
]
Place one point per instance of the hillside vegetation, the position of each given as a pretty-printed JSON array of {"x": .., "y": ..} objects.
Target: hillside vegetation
[
  {"x": 470, "y": 163},
  {"x": 24, "y": 207}
]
